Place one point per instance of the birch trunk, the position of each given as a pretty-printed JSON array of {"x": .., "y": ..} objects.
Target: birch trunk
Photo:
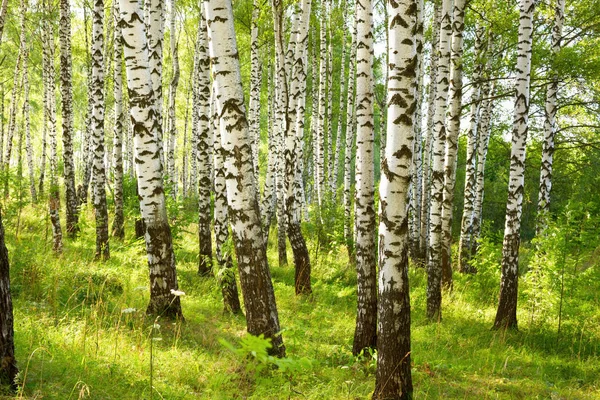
[
  {"x": 255, "y": 83},
  {"x": 225, "y": 274},
  {"x": 506, "y": 316},
  {"x": 118, "y": 223},
  {"x": 293, "y": 139},
  {"x": 319, "y": 144},
  {"x": 159, "y": 244},
  {"x": 172, "y": 116},
  {"x": 98, "y": 170},
  {"x": 269, "y": 199},
  {"x": 365, "y": 334},
  {"x": 466, "y": 231},
  {"x": 154, "y": 14},
  {"x": 393, "y": 379},
  {"x": 550, "y": 124},
  {"x": 350, "y": 128},
  {"x": 26, "y": 116},
  {"x": 434, "y": 266},
  {"x": 255, "y": 277},
  {"x": 484, "y": 128},
  {"x": 417, "y": 175},
  {"x": 342, "y": 118},
  {"x": 202, "y": 111},
  {"x": 66, "y": 86},
  {"x": 429, "y": 138},
  {"x": 453, "y": 129}
]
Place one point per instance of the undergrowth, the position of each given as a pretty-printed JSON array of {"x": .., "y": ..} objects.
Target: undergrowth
[{"x": 81, "y": 329}]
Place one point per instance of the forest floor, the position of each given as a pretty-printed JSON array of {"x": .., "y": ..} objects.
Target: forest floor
[{"x": 81, "y": 331}]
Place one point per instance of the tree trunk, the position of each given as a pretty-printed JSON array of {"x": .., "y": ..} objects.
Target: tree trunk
[
  {"x": 255, "y": 84},
  {"x": 225, "y": 274},
  {"x": 269, "y": 199},
  {"x": 202, "y": 110},
  {"x": 550, "y": 125},
  {"x": 255, "y": 277},
  {"x": 118, "y": 223},
  {"x": 417, "y": 175},
  {"x": 506, "y": 316},
  {"x": 172, "y": 116},
  {"x": 434, "y": 266},
  {"x": 342, "y": 117},
  {"x": 429, "y": 138},
  {"x": 159, "y": 244},
  {"x": 484, "y": 128},
  {"x": 154, "y": 16},
  {"x": 365, "y": 334},
  {"x": 28, "y": 144},
  {"x": 466, "y": 231},
  {"x": 350, "y": 128},
  {"x": 319, "y": 142},
  {"x": 98, "y": 169},
  {"x": 453, "y": 129},
  {"x": 8, "y": 367},
  {"x": 66, "y": 87},
  {"x": 393, "y": 379},
  {"x": 294, "y": 116}
]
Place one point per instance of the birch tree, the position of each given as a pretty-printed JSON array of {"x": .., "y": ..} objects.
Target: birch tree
[
  {"x": 434, "y": 266},
  {"x": 172, "y": 116},
  {"x": 366, "y": 320},
  {"x": 98, "y": 169},
  {"x": 393, "y": 378},
  {"x": 8, "y": 368},
  {"x": 66, "y": 87},
  {"x": 550, "y": 123},
  {"x": 225, "y": 274},
  {"x": 202, "y": 110},
  {"x": 506, "y": 315},
  {"x": 453, "y": 129},
  {"x": 118, "y": 223},
  {"x": 255, "y": 277},
  {"x": 464, "y": 247},
  {"x": 149, "y": 171}
]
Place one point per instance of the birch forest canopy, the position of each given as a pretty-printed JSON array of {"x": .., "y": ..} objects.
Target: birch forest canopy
[{"x": 300, "y": 199}]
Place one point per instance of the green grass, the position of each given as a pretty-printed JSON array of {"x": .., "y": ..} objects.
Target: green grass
[{"x": 73, "y": 340}]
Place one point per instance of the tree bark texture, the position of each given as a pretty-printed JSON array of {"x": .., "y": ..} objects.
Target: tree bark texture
[
  {"x": 365, "y": 334},
  {"x": 8, "y": 365},
  {"x": 506, "y": 316},
  {"x": 255, "y": 277}
]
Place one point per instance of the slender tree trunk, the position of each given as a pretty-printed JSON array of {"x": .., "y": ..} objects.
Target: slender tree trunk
[
  {"x": 350, "y": 129},
  {"x": 8, "y": 368},
  {"x": 159, "y": 244},
  {"x": 3, "y": 11},
  {"x": 12, "y": 118},
  {"x": 255, "y": 277},
  {"x": 67, "y": 118},
  {"x": 154, "y": 16},
  {"x": 329, "y": 189},
  {"x": 226, "y": 274},
  {"x": 255, "y": 84},
  {"x": 28, "y": 144},
  {"x": 550, "y": 125},
  {"x": 506, "y": 316},
  {"x": 47, "y": 57},
  {"x": 453, "y": 129},
  {"x": 417, "y": 175},
  {"x": 202, "y": 110},
  {"x": 98, "y": 169},
  {"x": 50, "y": 117},
  {"x": 269, "y": 199},
  {"x": 466, "y": 231},
  {"x": 365, "y": 334},
  {"x": 342, "y": 117},
  {"x": 484, "y": 129},
  {"x": 319, "y": 144},
  {"x": 294, "y": 119},
  {"x": 393, "y": 379},
  {"x": 172, "y": 116},
  {"x": 434, "y": 266},
  {"x": 429, "y": 138},
  {"x": 118, "y": 223}
]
